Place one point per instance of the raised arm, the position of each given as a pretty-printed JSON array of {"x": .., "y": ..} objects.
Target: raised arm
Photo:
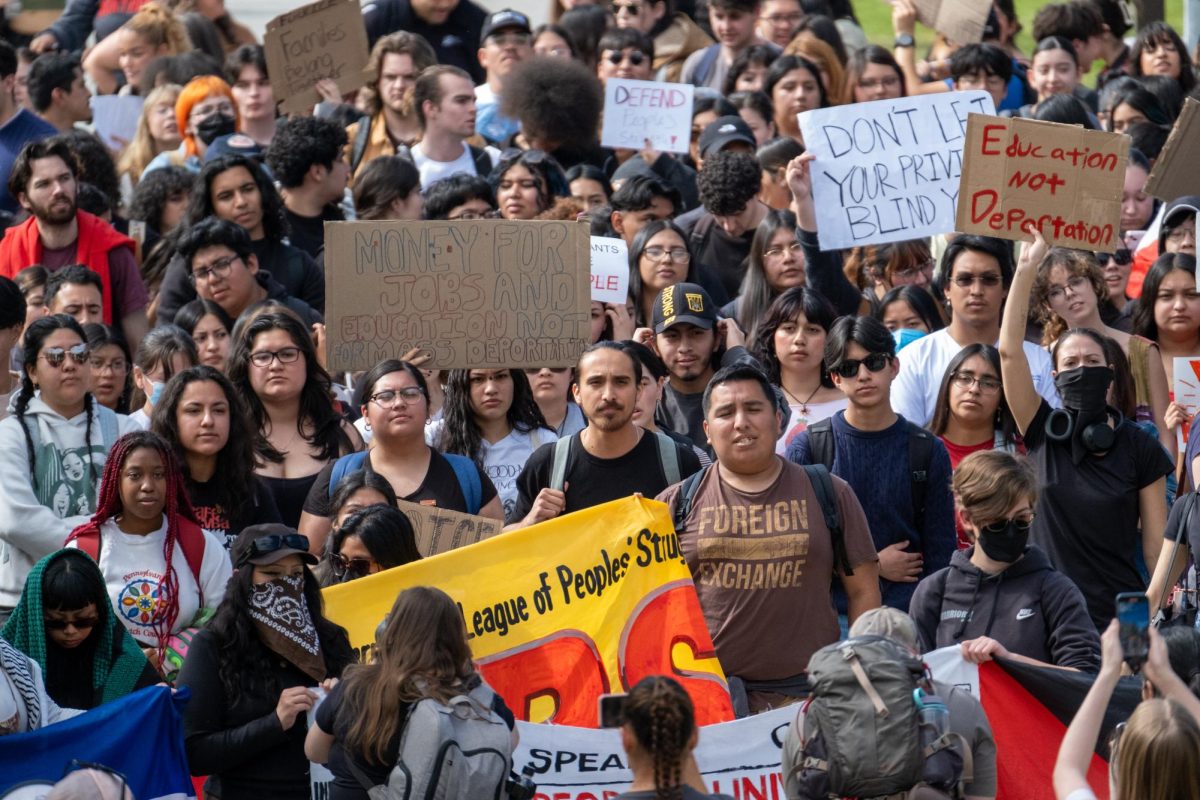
[
  {"x": 823, "y": 269},
  {"x": 1075, "y": 754},
  {"x": 1023, "y": 399}
]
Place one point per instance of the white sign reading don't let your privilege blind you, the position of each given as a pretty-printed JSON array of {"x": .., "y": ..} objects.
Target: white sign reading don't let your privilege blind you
[{"x": 888, "y": 170}]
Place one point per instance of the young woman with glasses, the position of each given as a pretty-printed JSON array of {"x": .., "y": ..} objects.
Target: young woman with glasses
[
  {"x": 660, "y": 257},
  {"x": 776, "y": 264}
]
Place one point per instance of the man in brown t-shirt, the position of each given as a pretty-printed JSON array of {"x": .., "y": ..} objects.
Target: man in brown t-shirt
[{"x": 756, "y": 541}]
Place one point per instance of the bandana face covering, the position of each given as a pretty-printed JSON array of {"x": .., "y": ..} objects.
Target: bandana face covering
[{"x": 280, "y": 613}]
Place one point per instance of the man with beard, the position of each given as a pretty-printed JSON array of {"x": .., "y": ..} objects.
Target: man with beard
[
  {"x": 57, "y": 234},
  {"x": 609, "y": 459}
]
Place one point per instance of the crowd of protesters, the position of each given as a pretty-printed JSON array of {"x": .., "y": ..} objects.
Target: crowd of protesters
[{"x": 980, "y": 436}]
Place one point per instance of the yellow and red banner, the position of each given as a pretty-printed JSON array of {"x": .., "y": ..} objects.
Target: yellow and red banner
[{"x": 564, "y": 611}]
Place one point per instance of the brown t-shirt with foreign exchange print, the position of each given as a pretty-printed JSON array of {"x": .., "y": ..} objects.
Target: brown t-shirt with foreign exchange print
[{"x": 762, "y": 564}]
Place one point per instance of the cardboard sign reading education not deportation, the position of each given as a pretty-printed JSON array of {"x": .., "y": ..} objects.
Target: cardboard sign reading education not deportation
[
  {"x": 326, "y": 39},
  {"x": 635, "y": 111},
  {"x": 471, "y": 293},
  {"x": 888, "y": 170},
  {"x": 1063, "y": 178}
]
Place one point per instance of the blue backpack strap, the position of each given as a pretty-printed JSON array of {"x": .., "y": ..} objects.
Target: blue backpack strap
[
  {"x": 468, "y": 480},
  {"x": 110, "y": 428},
  {"x": 344, "y": 466}
]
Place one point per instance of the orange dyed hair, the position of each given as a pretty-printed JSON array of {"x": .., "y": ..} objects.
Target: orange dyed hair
[{"x": 197, "y": 91}]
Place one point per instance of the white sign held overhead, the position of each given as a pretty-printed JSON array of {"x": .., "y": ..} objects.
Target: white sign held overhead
[
  {"x": 635, "y": 111},
  {"x": 888, "y": 170}
]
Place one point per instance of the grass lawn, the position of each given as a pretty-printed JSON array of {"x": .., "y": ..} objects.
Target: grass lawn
[{"x": 876, "y": 19}]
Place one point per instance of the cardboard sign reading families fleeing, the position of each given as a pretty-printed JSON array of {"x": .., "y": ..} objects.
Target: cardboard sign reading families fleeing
[
  {"x": 610, "y": 270},
  {"x": 471, "y": 293},
  {"x": 1063, "y": 178},
  {"x": 326, "y": 39},
  {"x": 960, "y": 21},
  {"x": 635, "y": 111},
  {"x": 439, "y": 530},
  {"x": 888, "y": 170},
  {"x": 1177, "y": 171}
]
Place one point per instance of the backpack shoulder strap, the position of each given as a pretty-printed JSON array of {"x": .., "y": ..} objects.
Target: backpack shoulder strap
[
  {"x": 110, "y": 428},
  {"x": 89, "y": 541},
  {"x": 668, "y": 456},
  {"x": 558, "y": 467},
  {"x": 705, "y": 67},
  {"x": 687, "y": 493},
  {"x": 468, "y": 480},
  {"x": 700, "y": 233},
  {"x": 483, "y": 162},
  {"x": 191, "y": 541},
  {"x": 361, "y": 137},
  {"x": 920, "y": 459},
  {"x": 820, "y": 443},
  {"x": 344, "y": 466},
  {"x": 822, "y": 484}
]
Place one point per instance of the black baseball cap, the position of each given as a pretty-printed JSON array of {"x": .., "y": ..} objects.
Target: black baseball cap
[
  {"x": 505, "y": 18},
  {"x": 268, "y": 543},
  {"x": 684, "y": 302},
  {"x": 724, "y": 131}
]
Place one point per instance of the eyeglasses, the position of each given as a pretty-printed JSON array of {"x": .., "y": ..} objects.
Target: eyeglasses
[
  {"x": 635, "y": 57},
  {"x": 219, "y": 268},
  {"x": 875, "y": 362},
  {"x": 910, "y": 273},
  {"x": 276, "y": 541},
  {"x": 390, "y": 398},
  {"x": 779, "y": 19},
  {"x": 61, "y": 624},
  {"x": 633, "y": 9},
  {"x": 890, "y": 82},
  {"x": 1022, "y": 524},
  {"x": 55, "y": 356},
  {"x": 967, "y": 281},
  {"x": 510, "y": 39},
  {"x": 965, "y": 380},
  {"x": 775, "y": 252},
  {"x": 351, "y": 567},
  {"x": 115, "y": 365},
  {"x": 657, "y": 253},
  {"x": 1075, "y": 284},
  {"x": 1182, "y": 232},
  {"x": 286, "y": 355},
  {"x": 1121, "y": 258}
]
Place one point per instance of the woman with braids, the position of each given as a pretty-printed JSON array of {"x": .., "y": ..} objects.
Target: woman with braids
[
  {"x": 204, "y": 420},
  {"x": 253, "y": 668},
  {"x": 65, "y": 623},
  {"x": 490, "y": 416},
  {"x": 421, "y": 652},
  {"x": 161, "y": 569},
  {"x": 297, "y": 430},
  {"x": 52, "y": 446},
  {"x": 659, "y": 733}
]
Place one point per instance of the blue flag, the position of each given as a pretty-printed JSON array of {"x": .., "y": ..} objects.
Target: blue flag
[{"x": 140, "y": 736}]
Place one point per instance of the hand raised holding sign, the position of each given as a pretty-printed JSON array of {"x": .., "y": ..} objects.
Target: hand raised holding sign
[{"x": 799, "y": 181}]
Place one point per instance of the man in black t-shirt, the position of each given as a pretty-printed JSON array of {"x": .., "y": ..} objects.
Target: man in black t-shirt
[
  {"x": 306, "y": 157},
  {"x": 609, "y": 459}
]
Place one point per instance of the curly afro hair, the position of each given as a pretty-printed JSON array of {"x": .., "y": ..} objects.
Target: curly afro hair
[
  {"x": 155, "y": 189},
  {"x": 728, "y": 181},
  {"x": 557, "y": 102},
  {"x": 300, "y": 143}
]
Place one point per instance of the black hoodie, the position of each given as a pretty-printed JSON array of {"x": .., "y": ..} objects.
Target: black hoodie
[{"x": 1030, "y": 608}]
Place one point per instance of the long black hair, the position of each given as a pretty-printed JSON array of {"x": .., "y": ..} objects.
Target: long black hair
[
  {"x": 99, "y": 335},
  {"x": 1004, "y": 421},
  {"x": 316, "y": 407},
  {"x": 235, "y": 482},
  {"x": 275, "y": 226},
  {"x": 640, "y": 243},
  {"x": 918, "y": 299},
  {"x": 787, "y": 307},
  {"x": 461, "y": 432},
  {"x": 1143, "y": 317},
  {"x": 756, "y": 294},
  {"x": 384, "y": 530}
]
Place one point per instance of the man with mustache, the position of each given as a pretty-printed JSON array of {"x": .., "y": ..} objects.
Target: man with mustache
[{"x": 609, "y": 459}]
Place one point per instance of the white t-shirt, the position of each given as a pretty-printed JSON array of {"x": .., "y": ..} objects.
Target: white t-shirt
[
  {"x": 133, "y": 568},
  {"x": 1085, "y": 793},
  {"x": 140, "y": 418},
  {"x": 434, "y": 171},
  {"x": 504, "y": 460},
  {"x": 924, "y": 362},
  {"x": 798, "y": 423}
]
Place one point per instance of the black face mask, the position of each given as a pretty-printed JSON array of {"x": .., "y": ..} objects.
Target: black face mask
[
  {"x": 214, "y": 126},
  {"x": 1083, "y": 419},
  {"x": 1005, "y": 547},
  {"x": 1084, "y": 389}
]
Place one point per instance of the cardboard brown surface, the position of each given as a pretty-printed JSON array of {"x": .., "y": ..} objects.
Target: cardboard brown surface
[
  {"x": 471, "y": 293},
  {"x": 325, "y": 39},
  {"x": 1177, "y": 171},
  {"x": 1066, "y": 179},
  {"x": 960, "y": 21},
  {"x": 438, "y": 530}
]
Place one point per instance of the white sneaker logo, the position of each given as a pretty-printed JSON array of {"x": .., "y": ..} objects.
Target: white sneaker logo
[{"x": 1024, "y": 613}]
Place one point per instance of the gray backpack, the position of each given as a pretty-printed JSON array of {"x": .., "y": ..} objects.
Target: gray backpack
[
  {"x": 862, "y": 735},
  {"x": 461, "y": 749}
]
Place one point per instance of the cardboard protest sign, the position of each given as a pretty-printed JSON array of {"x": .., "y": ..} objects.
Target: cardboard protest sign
[
  {"x": 635, "y": 111},
  {"x": 1063, "y": 178},
  {"x": 1177, "y": 171},
  {"x": 610, "y": 270},
  {"x": 439, "y": 530},
  {"x": 561, "y": 612},
  {"x": 888, "y": 170},
  {"x": 325, "y": 39},
  {"x": 471, "y": 293},
  {"x": 960, "y": 21}
]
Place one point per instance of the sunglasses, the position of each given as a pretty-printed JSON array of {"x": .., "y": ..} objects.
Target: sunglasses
[
  {"x": 81, "y": 624},
  {"x": 998, "y": 527},
  {"x": 874, "y": 363},
  {"x": 636, "y": 58},
  {"x": 270, "y": 544},
  {"x": 351, "y": 567},
  {"x": 1121, "y": 257},
  {"x": 55, "y": 356}
]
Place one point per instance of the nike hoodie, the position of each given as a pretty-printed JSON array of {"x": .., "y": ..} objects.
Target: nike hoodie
[
  {"x": 1030, "y": 608},
  {"x": 38, "y": 512}
]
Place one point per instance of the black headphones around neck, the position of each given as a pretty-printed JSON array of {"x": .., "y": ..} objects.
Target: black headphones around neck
[{"x": 1097, "y": 437}]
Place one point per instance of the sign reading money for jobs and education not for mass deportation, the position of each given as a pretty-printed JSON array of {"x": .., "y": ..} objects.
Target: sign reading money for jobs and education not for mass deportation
[
  {"x": 1064, "y": 179},
  {"x": 635, "y": 111},
  {"x": 888, "y": 170},
  {"x": 471, "y": 293}
]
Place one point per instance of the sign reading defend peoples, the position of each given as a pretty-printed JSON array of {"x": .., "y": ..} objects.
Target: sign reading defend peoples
[
  {"x": 472, "y": 293},
  {"x": 888, "y": 170},
  {"x": 635, "y": 111},
  {"x": 325, "y": 39}
]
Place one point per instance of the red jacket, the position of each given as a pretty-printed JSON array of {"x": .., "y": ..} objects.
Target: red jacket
[{"x": 22, "y": 247}]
